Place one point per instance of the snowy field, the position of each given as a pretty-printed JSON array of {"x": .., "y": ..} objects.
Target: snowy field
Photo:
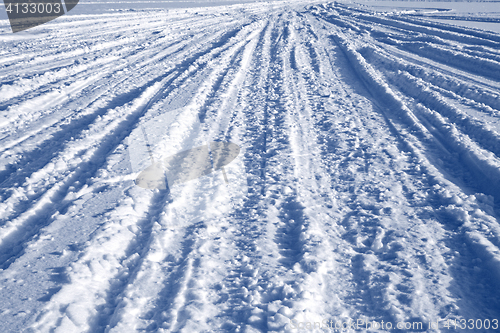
[
  {"x": 342, "y": 168},
  {"x": 483, "y": 15}
]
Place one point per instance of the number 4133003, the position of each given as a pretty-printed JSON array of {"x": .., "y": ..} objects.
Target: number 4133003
[
  {"x": 471, "y": 324},
  {"x": 33, "y": 8}
]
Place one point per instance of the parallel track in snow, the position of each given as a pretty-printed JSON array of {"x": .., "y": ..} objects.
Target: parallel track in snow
[{"x": 369, "y": 171}]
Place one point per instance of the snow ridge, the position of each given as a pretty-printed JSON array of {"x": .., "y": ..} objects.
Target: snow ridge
[{"x": 366, "y": 187}]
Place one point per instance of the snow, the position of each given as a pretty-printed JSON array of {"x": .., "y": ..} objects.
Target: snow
[
  {"x": 275, "y": 166},
  {"x": 484, "y": 15}
]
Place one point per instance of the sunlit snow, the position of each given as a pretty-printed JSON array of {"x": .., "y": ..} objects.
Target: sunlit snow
[{"x": 338, "y": 168}]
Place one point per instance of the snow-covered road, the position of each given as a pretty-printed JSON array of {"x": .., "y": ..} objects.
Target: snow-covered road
[{"x": 366, "y": 187}]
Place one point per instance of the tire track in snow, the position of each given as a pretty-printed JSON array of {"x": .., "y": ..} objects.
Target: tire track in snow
[
  {"x": 441, "y": 99},
  {"x": 485, "y": 100},
  {"x": 26, "y": 224},
  {"x": 367, "y": 274},
  {"x": 172, "y": 300},
  {"x": 93, "y": 38},
  {"x": 246, "y": 296},
  {"x": 85, "y": 46},
  {"x": 392, "y": 37},
  {"x": 138, "y": 247},
  {"x": 159, "y": 51},
  {"x": 474, "y": 240},
  {"x": 291, "y": 212},
  {"x": 168, "y": 310},
  {"x": 355, "y": 209},
  {"x": 17, "y": 231},
  {"x": 481, "y": 132},
  {"x": 111, "y": 309},
  {"x": 376, "y": 242},
  {"x": 119, "y": 100},
  {"x": 477, "y": 162},
  {"x": 288, "y": 220},
  {"x": 352, "y": 170},
  {"x": 116, "y": 100},
  {"x": 322, "y": 266}
]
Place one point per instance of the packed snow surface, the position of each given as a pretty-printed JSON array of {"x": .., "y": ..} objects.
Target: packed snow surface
[{"x": 360, "y": 186}]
